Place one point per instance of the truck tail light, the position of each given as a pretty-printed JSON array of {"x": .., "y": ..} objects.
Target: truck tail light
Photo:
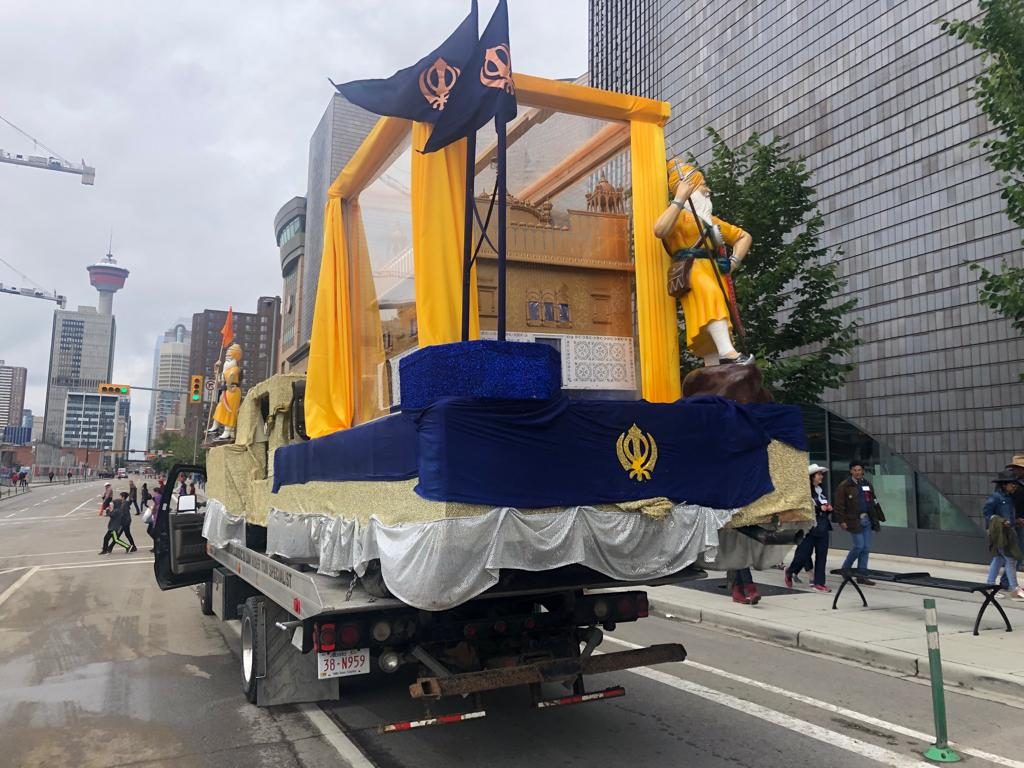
[
  {"x": 326, "y": 637},
  {"x": 349, "y": 635},
  {"x": 626, "y": 608},
  {"x": 643, "y": 609}
]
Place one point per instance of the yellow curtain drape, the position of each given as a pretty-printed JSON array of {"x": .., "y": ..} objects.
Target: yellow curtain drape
[
  {"x": 329, "y": 403},
  {"x": 438, "y": 211},
  {"x": 657, "y": 327}
]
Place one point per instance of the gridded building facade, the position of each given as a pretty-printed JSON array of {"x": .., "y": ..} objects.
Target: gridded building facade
[
  {"x": 877, "y": 99},
  {"x": 81, "y": 358},
  {"x": 12, "y": 395}
]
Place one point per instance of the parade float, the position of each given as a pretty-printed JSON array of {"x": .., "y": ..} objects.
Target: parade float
[
  {"x": 491, "y": 450},
  {"x": 557, "y": 433}
]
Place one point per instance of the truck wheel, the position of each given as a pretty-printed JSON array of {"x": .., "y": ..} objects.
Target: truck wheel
[
  {"x": 250, "y": 648},
  {"x": 206, "y": 597}
]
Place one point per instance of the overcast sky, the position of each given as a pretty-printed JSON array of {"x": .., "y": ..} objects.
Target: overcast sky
[{"x": 197, "y": 118}]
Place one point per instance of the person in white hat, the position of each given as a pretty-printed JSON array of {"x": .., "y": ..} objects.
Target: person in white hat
[{"x": 817, "y": 538}]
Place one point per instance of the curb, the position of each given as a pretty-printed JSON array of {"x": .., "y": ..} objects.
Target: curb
[
  {"x": 904, "y": 663},
  {"x": 6, "y": 499}
]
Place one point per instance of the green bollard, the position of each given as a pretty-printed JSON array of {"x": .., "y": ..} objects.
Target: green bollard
[{"x": 939, "y": 752}]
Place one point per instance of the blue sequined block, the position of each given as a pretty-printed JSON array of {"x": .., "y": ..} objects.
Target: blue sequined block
[{"x": 510, "y": 370}]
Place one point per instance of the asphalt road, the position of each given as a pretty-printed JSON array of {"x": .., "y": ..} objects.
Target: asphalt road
[{"x": 99, "y": 668}]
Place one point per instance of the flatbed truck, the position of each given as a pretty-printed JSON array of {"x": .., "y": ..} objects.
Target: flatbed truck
[{"x": 303, "y": 633}]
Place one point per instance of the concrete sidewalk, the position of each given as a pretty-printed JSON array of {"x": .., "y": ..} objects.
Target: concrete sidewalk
[{"x": 889, "y": 633}]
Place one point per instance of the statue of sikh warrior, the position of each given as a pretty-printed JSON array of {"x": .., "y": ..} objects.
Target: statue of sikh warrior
[
  {"x": 699, "y": 264},
  {"x": 226, "y": 415}
]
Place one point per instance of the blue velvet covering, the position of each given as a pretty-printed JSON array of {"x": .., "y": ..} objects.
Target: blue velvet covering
[
  {"x": 384, "y": 449},
  {"x": 557, "y": 453},
  {"x": 499, "y": 369}
]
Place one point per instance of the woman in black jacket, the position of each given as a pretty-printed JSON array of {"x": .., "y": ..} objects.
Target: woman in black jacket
[{"x": 817, "y": 538}]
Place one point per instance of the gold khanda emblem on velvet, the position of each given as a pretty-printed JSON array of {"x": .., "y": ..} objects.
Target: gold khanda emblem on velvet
[
  {"x": 496, "y": 71},
  {"x": 437, "y": 81},
  {"x": 637, "y": 452}
]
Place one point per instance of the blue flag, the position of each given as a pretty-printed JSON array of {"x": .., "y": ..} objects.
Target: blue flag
[
  {"x": 484, "y": 91},
  {"x": 420, "y": 92}
]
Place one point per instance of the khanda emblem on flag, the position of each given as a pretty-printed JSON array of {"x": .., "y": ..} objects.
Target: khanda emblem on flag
[
  {"x": 437, "y": 81},
  {"x": 637, "y": 452},
  {"x": 496, "y": 71}
]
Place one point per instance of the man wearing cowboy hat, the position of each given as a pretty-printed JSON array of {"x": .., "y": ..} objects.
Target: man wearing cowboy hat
[{"x": 817, "y": 538}]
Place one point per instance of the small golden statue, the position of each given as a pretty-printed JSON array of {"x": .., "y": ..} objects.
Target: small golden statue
[
  {"x": 699, "y": 275},
  {"x": 225, "y": 417}
]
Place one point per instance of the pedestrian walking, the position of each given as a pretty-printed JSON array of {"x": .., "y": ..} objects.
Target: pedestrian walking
[
  {"x": 744, "y": 590},
  {"x": 133, "y": 497},
  {"x": 69, "y": 476},
  {"x": 858, "y": 512},
  {"x": 1006, "y": 553},
  {"x": 23, "y": 479},
  {"x": 125, "y": 519},
  {"x": 817, "y": 539},
  {"x": 146, "y": 496},
  {"x": 51, "y": 475},
  {"x": 155, "y": 511},
  {"x": 107, "y": 498},
  {"x": 113, "y": 510}
]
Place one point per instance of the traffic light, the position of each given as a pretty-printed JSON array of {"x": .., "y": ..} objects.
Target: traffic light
[
  {"x": 195, "y": 391},
  {"x": 115, "y": 389}
]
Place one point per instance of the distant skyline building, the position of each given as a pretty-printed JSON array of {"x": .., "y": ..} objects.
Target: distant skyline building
[
  {"x": 100, "y": 422},
  {"x": 82, "y": 346},
  {"x": 170, "y": 372},
  {"x": 877, "y": 98},
  {"x": 81, "y": 358},
  {"x": 290, "y": 235},
  {"x": 257, "y": 333},
  {"x": 341, "y": 130},
  {"x": 12, "y": 395},
  {"x": 26, "y": 417}
]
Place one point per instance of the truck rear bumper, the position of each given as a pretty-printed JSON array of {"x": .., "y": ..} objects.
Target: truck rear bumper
[{"x": 554, "y": 670}]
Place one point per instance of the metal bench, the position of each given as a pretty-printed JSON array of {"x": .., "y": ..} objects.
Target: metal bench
[{"x": 923, "y": 579}]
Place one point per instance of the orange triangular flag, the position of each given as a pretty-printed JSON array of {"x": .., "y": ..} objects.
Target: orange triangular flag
[{"x": 227, "y": 333}]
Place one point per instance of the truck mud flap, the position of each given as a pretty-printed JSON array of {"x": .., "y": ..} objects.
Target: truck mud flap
[{"x": 555, "y": 670}]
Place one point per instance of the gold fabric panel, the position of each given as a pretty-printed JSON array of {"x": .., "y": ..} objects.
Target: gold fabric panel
[{"x": 791, "y": 499}]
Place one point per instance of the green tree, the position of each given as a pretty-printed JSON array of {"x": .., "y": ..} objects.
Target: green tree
[
  {"x": 788, "y": 285},
  {"x": 177, "y": 449},
  {"x": 998, "y": 34}
]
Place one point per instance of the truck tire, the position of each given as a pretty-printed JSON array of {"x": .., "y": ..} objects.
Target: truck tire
[
  {"x": 250, "y": 648},
  {"x": 206, "y": 597}
]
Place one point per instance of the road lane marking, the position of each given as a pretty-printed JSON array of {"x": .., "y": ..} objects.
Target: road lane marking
[
  {"x": 12, "y": 570},
  {"x": 850, "y": 714},
  {"x": 49, "y": 518},
  {"x": 77, "y": 508},
  {"x": 75, "y": 565},
  {"x": 12, "y": 514},
  {"x": 49, "y": 554},
  {"x": 17, "y": 585},
  {"x": 782, "y": 720}
]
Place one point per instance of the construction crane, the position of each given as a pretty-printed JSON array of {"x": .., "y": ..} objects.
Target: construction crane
[
  {"x": 38, "y": 292},
  {"x": 52, "y": 162}
]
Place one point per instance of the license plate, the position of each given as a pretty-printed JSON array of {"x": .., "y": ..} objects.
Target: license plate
[{"x": 343, "y": 663}]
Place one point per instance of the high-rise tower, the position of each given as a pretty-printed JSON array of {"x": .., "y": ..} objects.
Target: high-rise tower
[{"x": 107, "y": 278}]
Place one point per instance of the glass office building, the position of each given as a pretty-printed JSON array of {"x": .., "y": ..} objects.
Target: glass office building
[{"x": 877, "y": 99}]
